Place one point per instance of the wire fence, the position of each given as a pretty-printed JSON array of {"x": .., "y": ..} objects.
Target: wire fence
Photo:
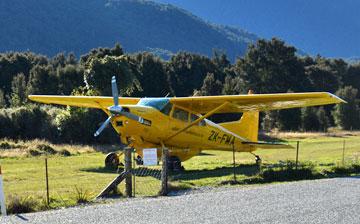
[{"x": 65, "y": 181}]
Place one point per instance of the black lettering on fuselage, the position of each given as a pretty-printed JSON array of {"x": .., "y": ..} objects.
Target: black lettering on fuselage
[
  {"x": 221, "y": 138},
  {"x": 211, "y": 135},
  {"x": 215, "y": 137}
]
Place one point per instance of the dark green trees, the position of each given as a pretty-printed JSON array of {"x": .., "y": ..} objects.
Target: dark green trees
[
  {"x": 18, "y": 91},
  {"x": 347, "y": 115},
  {"x": 269, "y": 66}
]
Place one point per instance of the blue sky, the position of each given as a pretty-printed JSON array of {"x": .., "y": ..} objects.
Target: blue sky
[{"x": 327, "y": 27}]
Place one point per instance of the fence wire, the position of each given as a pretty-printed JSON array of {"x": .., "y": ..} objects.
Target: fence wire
[{"x": 82, "y": 177}]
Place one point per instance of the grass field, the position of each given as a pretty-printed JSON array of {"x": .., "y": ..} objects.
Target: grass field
[{"x": 83, "y": 172}]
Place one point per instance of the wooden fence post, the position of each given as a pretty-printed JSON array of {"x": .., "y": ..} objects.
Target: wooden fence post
[
  {"x": 47, "y": 182},
  {"x": 234, "y": 165},
  {"x": 128, "y": 179},
  {"x": 164, "y": 171},
  {"x": 343, "y": 154},
  {"x": 297, "y": 155}
]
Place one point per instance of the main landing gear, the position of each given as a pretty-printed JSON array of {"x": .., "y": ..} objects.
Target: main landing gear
[{"x": 112, "y": 160}]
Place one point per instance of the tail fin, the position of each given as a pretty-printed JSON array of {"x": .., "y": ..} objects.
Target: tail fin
[{"x": 247, "y": 126}]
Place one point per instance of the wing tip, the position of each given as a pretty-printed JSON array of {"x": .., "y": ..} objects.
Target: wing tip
[
  {"x": 32, "y": 97},
  {"x": 338, "y": 99}
]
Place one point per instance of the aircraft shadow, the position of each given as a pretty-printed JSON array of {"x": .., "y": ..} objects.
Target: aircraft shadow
[
  {"x": 205, "y": 154},
  {"x": 103, "y": 170},
  {"x": 245, "y": 169}
]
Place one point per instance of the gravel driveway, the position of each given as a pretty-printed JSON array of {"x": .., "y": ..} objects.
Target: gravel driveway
[{"x": 320, "y": 201}]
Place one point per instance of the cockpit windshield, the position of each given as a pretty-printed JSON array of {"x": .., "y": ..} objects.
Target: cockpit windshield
[{"x": 157, "y": 103}]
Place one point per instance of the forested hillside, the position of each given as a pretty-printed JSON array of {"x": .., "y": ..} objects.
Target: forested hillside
[
  {"x": 50, "y": 26},
  {"x": 267, "y": 67}
]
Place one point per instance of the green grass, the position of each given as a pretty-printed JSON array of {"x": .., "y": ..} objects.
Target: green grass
[
  {"x": 214, "y": 167},
  {"x": 24, "y": 176}
]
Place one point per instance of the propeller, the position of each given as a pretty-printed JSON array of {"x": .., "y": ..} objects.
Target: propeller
[{"x": 116, "y": 110}]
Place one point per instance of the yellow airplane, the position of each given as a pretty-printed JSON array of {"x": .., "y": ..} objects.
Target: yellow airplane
[{"x": 180, "y": 123}]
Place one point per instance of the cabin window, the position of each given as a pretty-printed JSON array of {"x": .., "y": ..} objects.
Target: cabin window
[
  {"x": 193, "y": 117},
  {"x": 181, "y": 114}
]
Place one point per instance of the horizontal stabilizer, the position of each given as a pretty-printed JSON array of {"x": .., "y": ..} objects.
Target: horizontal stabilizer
[{"x": 269, "y": 145}]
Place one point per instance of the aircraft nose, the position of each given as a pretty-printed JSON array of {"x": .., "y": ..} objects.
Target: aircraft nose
[{"x": 115, "y": 109}]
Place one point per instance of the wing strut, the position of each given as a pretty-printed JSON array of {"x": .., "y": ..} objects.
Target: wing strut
[{"x": 197, "y": 121}]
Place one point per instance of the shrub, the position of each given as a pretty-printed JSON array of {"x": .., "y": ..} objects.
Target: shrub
[
  {"x": 41, "y": 149},
  {"x": 345, "y": 170},
  {"x": 6, "y": 145},
  {"x": 64, "y": 152},
  {"x": 34, "y": 152},
  {"x": 82, "y": 196},
  {"x": 46, "y": 149},
  {"x": 26, "y": 123},
  {"x": 289, "y": 172},
  {"x": 356, "y": 168},
  {"x": 17, "y": 204}
]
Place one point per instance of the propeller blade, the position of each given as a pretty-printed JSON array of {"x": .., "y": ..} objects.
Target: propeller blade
[
  {"x": 115, "y": 91},
  {"x": 103, "y": 126}
]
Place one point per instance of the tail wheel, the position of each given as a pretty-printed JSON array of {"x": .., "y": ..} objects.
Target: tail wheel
[{"x": 112, "y": 160}]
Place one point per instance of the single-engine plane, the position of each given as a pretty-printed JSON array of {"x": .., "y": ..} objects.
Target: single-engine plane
[{"x": 180, "y": 123}]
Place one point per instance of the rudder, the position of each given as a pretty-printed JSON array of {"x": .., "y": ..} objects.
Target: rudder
[{"x": 247, "y": 126}]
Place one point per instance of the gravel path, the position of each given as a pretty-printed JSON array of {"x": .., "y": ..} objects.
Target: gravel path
[{"x": 320, "y": 201}]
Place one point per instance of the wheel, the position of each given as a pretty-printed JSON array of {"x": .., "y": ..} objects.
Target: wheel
[
  {"x": 112, "y": 160},
  {"x": 258, "y": 160},
  {"x": 139, "y": 160},
  {"x": 174, "y": 164}
]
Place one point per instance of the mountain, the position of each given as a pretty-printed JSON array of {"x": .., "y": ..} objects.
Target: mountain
[
  {"x": 51, "y": 26},
  {"x": 328, "y": 28}
]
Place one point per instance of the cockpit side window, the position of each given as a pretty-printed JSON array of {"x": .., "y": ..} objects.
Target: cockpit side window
[
  {"x": 181, "y": 114},
  {"x": 193, "y": 117}
]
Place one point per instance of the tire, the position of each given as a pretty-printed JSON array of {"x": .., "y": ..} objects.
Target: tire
[
  {"x": 139, "y": 160},
  {"x": 112, "y": 160}
]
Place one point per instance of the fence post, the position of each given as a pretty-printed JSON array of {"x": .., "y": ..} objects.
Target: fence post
[
  {"x": 164, "y": 170},
  {"x": 2, "y": 196},
  {"x": 343, "y": 154},
  {"x": 133, "y": 174},
  {"x": 128, "y": 178},
  {"x": 297, "y": 155},
  {"x": 233, "y": 148},
  {"x": 47, "y": 182}
]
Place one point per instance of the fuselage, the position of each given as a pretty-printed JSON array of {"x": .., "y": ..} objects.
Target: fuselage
[{"x": 163, "y": 120}]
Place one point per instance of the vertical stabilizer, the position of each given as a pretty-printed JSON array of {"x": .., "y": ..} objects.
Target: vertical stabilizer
[{"x": 247, "y": 126}]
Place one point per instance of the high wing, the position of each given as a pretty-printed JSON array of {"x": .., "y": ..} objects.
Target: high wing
[
  {"x": 100, "y": 102},
  {"x": 254, "y": 102}
]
